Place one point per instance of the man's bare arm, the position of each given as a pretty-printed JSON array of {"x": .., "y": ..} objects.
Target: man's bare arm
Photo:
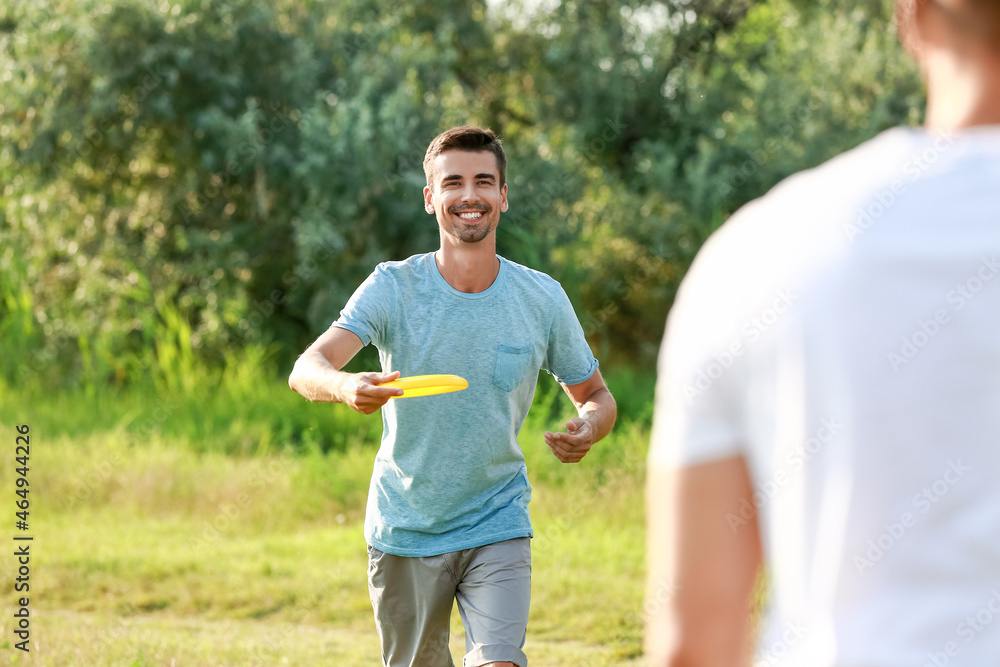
[
  {"x": 701, "y": 565},
  {"x": 318, "y": 377},
  {"x": 596, "y": 410}
]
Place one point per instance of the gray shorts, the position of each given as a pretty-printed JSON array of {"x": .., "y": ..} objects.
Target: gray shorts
[{"x": 412, "y": 599}]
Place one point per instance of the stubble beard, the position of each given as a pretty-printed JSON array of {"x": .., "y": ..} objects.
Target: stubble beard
[{"x": 471, "y": 234}]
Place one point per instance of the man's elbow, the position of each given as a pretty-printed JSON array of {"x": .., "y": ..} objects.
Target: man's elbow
[
  {"x": 694, "y": 649},
  {"x": 665, "y": 646}
]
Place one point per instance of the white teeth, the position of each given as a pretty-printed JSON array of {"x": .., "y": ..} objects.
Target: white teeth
[{"x": 470, "y": 216}]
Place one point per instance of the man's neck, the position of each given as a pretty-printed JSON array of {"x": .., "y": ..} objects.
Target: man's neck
[
  {"x": 469, "y": 267},
  {"x": 962, "y": 95}
]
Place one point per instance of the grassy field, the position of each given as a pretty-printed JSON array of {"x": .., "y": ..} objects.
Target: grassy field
[{"x": 225, "y": 528}]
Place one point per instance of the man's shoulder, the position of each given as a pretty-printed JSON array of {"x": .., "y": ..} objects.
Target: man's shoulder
[
  {"x": 859, "y": 169},
  {"x": 525, "y": 277},
  {"x": 411, "y": 263},
  {"x": 797, "y": 228},
  {"x": 816, "y": 200},
  {"x": 402, "y": 270}
]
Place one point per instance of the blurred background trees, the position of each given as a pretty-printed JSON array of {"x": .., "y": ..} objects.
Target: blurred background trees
[{"x": 182, "y": 179}]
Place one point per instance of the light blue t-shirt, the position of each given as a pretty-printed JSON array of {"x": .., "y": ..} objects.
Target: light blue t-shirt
[{"x": 450, "y": 474}]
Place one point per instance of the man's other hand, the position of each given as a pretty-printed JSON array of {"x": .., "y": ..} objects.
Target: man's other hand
[{"x": 573, "y": 445}]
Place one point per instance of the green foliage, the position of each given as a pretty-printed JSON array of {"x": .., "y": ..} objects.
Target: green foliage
[
  {"x": 237, "y": 408},
  {"x": 184, "y": 180}
]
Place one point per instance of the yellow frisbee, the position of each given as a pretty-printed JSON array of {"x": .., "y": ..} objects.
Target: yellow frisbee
[{"x": 427, "y": 385}]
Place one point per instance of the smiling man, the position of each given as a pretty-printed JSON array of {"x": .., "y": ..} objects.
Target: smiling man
[{"x": 447, "y": 513}]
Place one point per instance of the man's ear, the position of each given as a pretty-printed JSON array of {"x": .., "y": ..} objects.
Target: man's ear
[
  {"x": 908, "y": 21},
  {"x": 428, "y": 200}
]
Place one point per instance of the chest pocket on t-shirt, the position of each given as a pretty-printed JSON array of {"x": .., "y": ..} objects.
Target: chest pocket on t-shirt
[{"x": 511, "y": 366}]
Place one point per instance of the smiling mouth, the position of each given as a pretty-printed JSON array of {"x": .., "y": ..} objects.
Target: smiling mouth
[{"x": 471, "y": 216}]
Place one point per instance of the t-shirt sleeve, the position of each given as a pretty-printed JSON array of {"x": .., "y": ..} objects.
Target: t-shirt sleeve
[
  {"x": 368, "y": 312},
  {"x": 698, "y": 414},
  {"x": 568, "y": 357}
]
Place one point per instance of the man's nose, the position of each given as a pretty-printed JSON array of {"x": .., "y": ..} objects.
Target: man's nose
[{"x": 469, "y": 194}]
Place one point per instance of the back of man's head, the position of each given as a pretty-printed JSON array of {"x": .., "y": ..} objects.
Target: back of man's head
[{"x": 968, "y": 19}]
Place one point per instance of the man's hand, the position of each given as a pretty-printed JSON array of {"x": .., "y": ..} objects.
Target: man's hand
[
  {"x": 362, "y": 392},
  {"x": 596, "y": 412},
  {"x": 318, "y": 377},
  {"x": 572, "y": 446}
]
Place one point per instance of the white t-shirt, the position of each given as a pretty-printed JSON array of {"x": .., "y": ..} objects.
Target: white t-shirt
[{"x": 842, "y": 333}]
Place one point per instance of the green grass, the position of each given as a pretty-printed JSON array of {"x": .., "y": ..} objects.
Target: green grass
[{"x": 224, "y": 527}]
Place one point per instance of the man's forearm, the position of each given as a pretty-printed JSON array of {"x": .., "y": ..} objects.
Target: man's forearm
[
  {"x": 701, "y": 571},
  {"x": 316, "y": 378},
  {"x": 600, "y": 411}
]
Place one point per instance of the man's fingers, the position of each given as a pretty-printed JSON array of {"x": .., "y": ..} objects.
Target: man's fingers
[
  {"x": 567, "y": 448},
  {"x": 556, "y": 440},
  {"x": 571, "y": 439},
  {"x": 383, "y": 392},
  {"x": 573, "y": 446},
  {"x": 568, "y": 457},
  {"x": 372, "y": 386}
]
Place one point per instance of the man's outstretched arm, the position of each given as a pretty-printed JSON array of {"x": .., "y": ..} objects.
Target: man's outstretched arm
[
  {"x": 318, "y": 377},
  {"x": 596, "y": 410},
  {"x": 702, "y": 562}
]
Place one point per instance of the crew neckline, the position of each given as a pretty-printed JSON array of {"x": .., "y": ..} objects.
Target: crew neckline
[{"x": 446, "y": 286}]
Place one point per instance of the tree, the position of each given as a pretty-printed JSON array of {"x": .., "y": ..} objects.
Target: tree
[{"x": 221, "y": 172}]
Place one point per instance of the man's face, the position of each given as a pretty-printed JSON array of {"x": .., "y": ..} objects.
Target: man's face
[{"x": 465, "y": 194}]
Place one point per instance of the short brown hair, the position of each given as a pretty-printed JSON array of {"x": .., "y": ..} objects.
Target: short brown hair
[
  {"x": 467, "y": 138},
  {"x": 975, "y": 18}
]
